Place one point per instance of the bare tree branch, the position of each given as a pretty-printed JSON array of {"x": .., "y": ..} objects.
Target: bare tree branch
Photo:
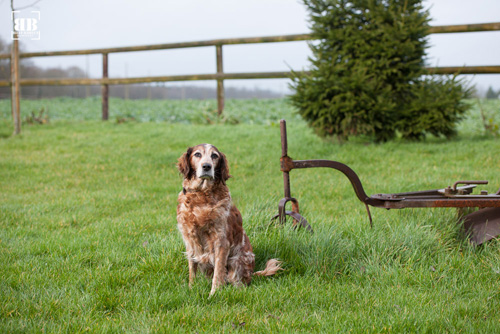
[
  {"x": 12, "y": 7},
  {"x": 24, "y": 7}
]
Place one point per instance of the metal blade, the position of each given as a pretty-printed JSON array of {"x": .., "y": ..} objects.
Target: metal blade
[{"x": 483, "y": 225}]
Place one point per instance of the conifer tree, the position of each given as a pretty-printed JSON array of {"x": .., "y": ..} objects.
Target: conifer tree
[{"x": 367, "y": 74}]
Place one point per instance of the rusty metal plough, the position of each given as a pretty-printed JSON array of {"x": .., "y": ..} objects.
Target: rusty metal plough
[{"x": 482, "y": 225}]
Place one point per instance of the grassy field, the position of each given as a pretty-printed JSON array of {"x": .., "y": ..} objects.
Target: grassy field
[{"x": 89, "y": 243}]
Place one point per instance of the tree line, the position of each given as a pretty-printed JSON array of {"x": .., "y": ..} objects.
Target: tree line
[{"x": 492, "y": 94}]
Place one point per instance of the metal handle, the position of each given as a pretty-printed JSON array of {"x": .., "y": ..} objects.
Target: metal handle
[
  {"x": 284, "y": 142},
  {"x": 454, "y": 187}
]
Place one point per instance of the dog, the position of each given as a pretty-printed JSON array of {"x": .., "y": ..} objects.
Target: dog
[{"x": 211, "y": 225}]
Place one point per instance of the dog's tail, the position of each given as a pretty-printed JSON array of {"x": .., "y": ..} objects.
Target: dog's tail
[{"x": 272, "y": 267}]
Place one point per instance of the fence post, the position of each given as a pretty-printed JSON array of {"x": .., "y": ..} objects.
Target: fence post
[
  {"x": 14, "y": 88},
  {"x": 220, "y": 82},
  {"x": 105, "y": 88}
]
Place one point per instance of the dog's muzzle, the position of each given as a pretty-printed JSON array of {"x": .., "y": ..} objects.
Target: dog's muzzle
[{"x": 206, "y": 171}]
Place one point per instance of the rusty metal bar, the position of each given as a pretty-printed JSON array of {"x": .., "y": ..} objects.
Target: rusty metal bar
[
  {"x": 419, "y": 199},
  {"x": 442, "y": 202},
  {"x": 220, "y": 82},
  {"x": 285, "y": 161},
  {"x": 105, "y": 88},
  {"x": 346, "y": 170},
  {"x": 284, "y": 155}
]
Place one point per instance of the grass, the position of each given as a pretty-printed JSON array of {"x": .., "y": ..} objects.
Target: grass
[
  {"x": 171, "y": 111},
  {"x": 89, "y": 243}
]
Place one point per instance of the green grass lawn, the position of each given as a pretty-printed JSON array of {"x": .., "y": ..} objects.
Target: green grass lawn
[{"x": 89, "y": 242}]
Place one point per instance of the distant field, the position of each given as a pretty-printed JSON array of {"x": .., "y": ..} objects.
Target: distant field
[
  {"x": 251, "y": 111},
  {"x": 89, "y": 243}
]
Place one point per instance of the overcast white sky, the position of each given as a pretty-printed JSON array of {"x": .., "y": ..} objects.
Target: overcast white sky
[{"x": 71, "y": 24}]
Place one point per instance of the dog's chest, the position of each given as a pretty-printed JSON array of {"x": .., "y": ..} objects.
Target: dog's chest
[
  {"x": 201, "y": 223},
  {"x": 201, "y": 214}
]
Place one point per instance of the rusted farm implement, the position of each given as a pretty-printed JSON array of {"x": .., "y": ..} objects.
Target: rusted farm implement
[{"x": 483, "y": 224}]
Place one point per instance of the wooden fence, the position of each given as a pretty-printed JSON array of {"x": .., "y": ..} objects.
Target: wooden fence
[{"x": 219, "y": 76}]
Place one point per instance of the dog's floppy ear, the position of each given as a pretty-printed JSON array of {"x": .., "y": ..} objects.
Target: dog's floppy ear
[
  {"x": 183, "y": 164},
  {"x": 222, "y": 170}
]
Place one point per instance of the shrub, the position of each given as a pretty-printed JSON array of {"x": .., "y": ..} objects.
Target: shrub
[{"x": 367, "y": 73}]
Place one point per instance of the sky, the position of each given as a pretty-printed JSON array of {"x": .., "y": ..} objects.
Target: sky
[{"x": 72, "y": 25}]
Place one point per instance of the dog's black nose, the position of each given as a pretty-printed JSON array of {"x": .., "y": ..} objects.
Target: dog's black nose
[{"x": 206, "y": 167}]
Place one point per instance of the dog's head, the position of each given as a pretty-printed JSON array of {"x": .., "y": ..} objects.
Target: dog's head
[{"x": 204, "y": 161}]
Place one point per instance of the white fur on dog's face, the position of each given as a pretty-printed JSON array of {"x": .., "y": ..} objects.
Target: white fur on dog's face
[{"x": 204, "y": 159}]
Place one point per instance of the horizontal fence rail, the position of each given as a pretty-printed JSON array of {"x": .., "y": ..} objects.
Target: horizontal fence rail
[
  {"x": 222, "y": 76},
  {"x": 232, "y": 41},
  {"x": 219, "y": 76}
]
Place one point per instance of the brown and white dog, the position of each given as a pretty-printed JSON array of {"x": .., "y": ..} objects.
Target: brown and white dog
[{"x": 210, "y": 224}]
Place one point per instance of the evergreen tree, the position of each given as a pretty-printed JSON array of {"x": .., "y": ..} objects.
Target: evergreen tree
[
  {"x": 490, "y": 94},
  {"x": 367, "y": 73}
]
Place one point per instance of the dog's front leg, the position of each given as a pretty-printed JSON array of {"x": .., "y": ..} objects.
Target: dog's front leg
[
  {"x": 221, "y": 253},
  {"x": 193, "y": 267}
]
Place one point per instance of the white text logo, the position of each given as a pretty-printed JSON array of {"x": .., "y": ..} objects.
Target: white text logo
[{"x": 26, "y": 25}]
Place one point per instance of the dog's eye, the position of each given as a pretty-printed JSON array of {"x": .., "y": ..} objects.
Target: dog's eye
[
  {"x": 197, "y": 154},
  {"x": 214, "y": 156}
]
